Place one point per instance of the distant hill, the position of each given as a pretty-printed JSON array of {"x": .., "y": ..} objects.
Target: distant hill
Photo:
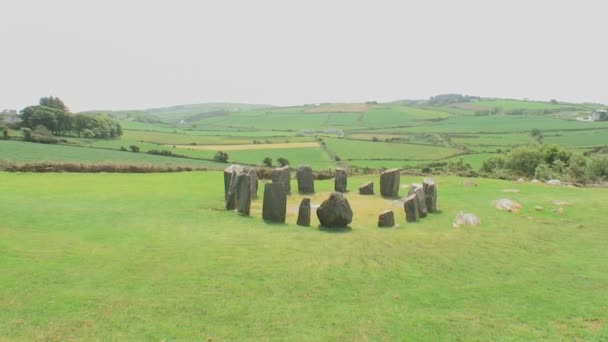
[{"x": 182, "y": 113}]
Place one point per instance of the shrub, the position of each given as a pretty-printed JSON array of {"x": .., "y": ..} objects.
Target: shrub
[
  {"x": 597, "y": 169},
  {"x": 4, "y": 132},
  {"x": 134, "y": 148},
  {"x": 39, "y": 135},
  {"x": 267, "y": 162},
  {"x": 524, "y": 160},
  {"x": 282, "y": 161},
  {"x": 221, "y": 156},
  {"x": 122, "y": 148}
]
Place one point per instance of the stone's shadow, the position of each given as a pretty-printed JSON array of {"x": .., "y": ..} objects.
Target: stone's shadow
[
  {"x": 334, "y": 230},
  {"x": 391, "y": 198},
  {"x": 244, "y": 215},
  {"x": 271, "y": 223}
]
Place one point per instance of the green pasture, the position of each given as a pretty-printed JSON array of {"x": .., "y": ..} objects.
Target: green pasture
[
  {"x": 154, "y": 257},
  {"x": 22, "y": 152},
  {"x": 356, "y": 149}
]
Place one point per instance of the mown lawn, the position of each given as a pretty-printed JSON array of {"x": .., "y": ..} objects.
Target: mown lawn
[{"x": 154, "y": 257}]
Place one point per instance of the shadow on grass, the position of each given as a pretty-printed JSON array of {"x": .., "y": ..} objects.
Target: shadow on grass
[
  {"x": 273, "y": 223},
  {"x": 335, "y": 230}
]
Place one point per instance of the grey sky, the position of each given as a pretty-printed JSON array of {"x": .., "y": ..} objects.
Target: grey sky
[{"x": 121, "y": 54}]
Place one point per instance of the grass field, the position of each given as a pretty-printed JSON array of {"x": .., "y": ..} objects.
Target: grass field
[{"x": 154, "y": 257}]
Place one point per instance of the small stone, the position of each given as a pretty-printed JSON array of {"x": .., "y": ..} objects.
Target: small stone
[
  {"x": 367, "y": 188},
  {"x": 507, "y": 205},
  {"x": 469, "y": 183},
  {"x": 304, "y": 213},
  {"x": 340, "y": 180},
  {"x": 386, "y": 219},
  {"x": 554, "y": 182},
  {"x": 410, "y": 205},
  {"x": 465, "y": 219},
  {"x": 539, "y": 208},
  {"x": 389, "y": 183}
]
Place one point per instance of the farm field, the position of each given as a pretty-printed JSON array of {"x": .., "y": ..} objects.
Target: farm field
[
  {"x": 154, "y": 257},
  {"x": 22, "y": 152}
]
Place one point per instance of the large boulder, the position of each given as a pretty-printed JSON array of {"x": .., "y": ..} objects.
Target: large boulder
[
  {"x": 410, "y": 206},
  {"x": 389, "y": 183},
  {"x": 282, "y": 175},
  {"x": 417, "y": 190},
  {"x": 386, "y": 219},
  {"x": 430, "y": 193},
  {"x": 274, "y": 207},
  {"x": 243, "y": 193},
  {"x": 306, "y": 180},
  {"x": 304, "y": 213},
  {"x": 340, "y": 180},
  {"x": 367, "y": 188},
  {"x": 335, "y": 212}
]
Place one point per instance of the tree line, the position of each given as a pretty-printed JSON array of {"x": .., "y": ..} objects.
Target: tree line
[{"x": 52, "y": 114}]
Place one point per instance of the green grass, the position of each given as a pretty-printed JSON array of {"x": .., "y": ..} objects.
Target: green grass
[
  {"x": 153, "y": 257},
  {"x": 21, "y": 152},
  {"x": 354, "y": 149}
]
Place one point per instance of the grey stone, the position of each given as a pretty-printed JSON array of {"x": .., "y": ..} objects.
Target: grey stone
[
  {"x": 465, "y": 219},
  {"x": 367, "y": 189},
  {"x": 274, "y": 207},
  {"x": 306, "y": 180},
  {"x": 283, "y": 176},
  {"x": 340, "y": 181},
  {"x": 243, "y": 193},
  {"x": 417, "y": 190},
  {"x": 410, "y": 205},
  {"x": 430, "y": 193},
  {"x": 230, "y": 174},
  {"x": 335, "y": 212},
  {"x": 254, "y": 183},
  {"x": 304, "y": 213},
  {"x": 389, "y": 183},
  {"x": 386, "y": 219}
]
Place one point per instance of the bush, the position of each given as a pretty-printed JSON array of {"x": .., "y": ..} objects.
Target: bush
[
  {"x": 523, "y": 160},
  {"x": 493, "y": 164},
  {"x": 4, "y": 132},
  {"x": 221, "y": 156},
  {"x": 267, "y": 162},
  {"x": 282, "y": 161},
  {"x": 165, "y": 153},
  {"x": 39, "y": 135},
  {"x": 134, "y": 148},
  {"x": 597, "y": 170},
  {"x": 122, "y": 148}
]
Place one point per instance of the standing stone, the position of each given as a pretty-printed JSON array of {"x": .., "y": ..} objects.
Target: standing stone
[
  {"x": 243, "y": 193},
  {"x": 430, "y": 193},
  {"x": 304, "y": 213},
  {"x": 230, "y": 172},
  {"x": 340, "y": 180},
  {"x": 254, "y": 183},
  {"x": 274, "y": 207},
  {"x": 231, "y": 192},
  {"x": 389, "y": 183},
  {"x": 367, "y": 189},
  {"x": 386, "y": 219},
  {"x": 335, "y": 212},
  {"x": 410, "y": 205},
  {"x": 417, "y": 190},
  {"x": 306, "y": 180},
  {"x": 283, "y": 176}
]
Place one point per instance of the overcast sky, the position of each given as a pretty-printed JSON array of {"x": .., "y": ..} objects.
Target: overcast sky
[{"x": 123, "y": 54}]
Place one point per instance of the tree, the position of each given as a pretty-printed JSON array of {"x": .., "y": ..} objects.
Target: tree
[
  {"x": 282, "y": 161},
  {"x": 524, "y": 160},
  {"x": 267, "y": 162},
  {"x": 40, "y": 134},
  {"x": 4, "y": 132},
  {"x": 221, "y": 156},
  {"x": 134, "y": 148},
  {"x": 53, "y": 102},
  {"x": 537, "y": 135}
]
